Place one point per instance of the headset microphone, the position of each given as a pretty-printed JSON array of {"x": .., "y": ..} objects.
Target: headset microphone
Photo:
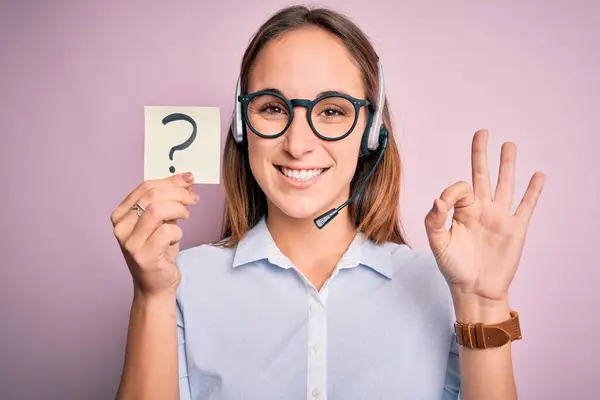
[{"x": 325, "y": 218}]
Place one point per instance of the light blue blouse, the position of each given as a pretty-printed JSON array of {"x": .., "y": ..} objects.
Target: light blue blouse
[{"x": 251, "y": 326}]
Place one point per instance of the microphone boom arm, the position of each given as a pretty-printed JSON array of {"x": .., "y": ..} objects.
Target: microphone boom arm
[{"x": 326, "y": 217}]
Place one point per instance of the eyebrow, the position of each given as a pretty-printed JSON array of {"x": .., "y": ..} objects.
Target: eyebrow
[{"x": 323, "y": 93}]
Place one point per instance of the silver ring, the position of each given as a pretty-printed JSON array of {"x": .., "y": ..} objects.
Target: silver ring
[{"x": 138, "y": 208}]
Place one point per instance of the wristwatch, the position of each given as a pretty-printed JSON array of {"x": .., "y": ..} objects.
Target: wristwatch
[{"x": 482, "y": 336}]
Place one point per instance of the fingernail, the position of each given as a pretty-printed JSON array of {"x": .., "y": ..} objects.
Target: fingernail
[
  {"x": 196, "y": 196},
  {"x": 435, "y": 207},
  {"x": 188, "y": 177}
]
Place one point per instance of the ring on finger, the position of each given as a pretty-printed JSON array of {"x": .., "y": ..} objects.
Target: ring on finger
[{"x": 138, "y": 208}]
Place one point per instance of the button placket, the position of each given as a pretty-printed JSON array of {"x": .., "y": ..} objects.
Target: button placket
[{"x": 316, "y": 347}]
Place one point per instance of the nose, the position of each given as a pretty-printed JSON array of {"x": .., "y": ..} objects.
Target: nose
[{"x": 299, "y": 139}]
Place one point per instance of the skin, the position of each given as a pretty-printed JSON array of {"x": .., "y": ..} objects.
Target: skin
[
  {"x": 285, "y": 64},
  {"x": 478, "y": 255},
  {"x": 150, "y": 244}
]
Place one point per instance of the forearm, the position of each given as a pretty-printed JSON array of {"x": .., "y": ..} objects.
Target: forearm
[
  {"x": 485, "y": 373},
  {"x": 151, "y": 370}
]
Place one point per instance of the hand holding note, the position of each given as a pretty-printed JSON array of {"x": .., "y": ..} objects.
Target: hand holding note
[
  {"x": 182, "y": 147},
  {"x": 145, "y": 225},
  {"x": 181, "y": 139}
]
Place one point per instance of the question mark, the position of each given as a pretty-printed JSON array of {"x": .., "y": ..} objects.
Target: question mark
[{"x": 188, "y": 142}]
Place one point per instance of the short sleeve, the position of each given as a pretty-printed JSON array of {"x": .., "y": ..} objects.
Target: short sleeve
[
  {"x": 184, "y": 385},
  {"x": 452, "y": 381}
]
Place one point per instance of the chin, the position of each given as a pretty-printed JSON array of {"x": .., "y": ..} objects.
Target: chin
[{"x": 298, "y": 208}]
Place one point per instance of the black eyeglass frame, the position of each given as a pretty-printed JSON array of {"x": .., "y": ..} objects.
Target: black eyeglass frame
[{"x": 309, "y": 105}]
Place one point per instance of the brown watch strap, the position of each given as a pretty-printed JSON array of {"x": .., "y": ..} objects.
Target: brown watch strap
[{"x": 482, "y": 336}]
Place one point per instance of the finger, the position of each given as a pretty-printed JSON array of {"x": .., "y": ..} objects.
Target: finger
[
  {"x": 125, "y": 226},
  {"x": 169, "y": 193},
  {"x": 457, "y": 195},
  {"x": 435, "y": 225},
  {"x": 184, "y": 180},
  {"x": 435, "y": 220},
  {"x": 155, "y": 215},
  {"x": 531, "y": 197},
  {"x": 506, "y": 175},
  {"x": 479, "y": 166},
  {"x": 166, "y": 235}
]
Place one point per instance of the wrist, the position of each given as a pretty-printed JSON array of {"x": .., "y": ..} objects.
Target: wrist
[
  {"x": 154, "y": 300},
  {"x": 472, "y": 308}
]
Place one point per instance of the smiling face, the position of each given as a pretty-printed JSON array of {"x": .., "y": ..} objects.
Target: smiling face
[{"x": 301, "y": 174}]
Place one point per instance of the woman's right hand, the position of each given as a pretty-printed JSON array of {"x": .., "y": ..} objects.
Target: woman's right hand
[{"x": 150, "y": 242}]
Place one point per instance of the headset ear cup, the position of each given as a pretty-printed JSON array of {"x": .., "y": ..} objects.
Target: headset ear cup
[
  {"x": 364, "y": 143},
  {"x": 238, "y": 120},
  {"x": 241, "y": 133},
  {"x": 373, "y": 140},
  {"x": 244, "y": 141}
]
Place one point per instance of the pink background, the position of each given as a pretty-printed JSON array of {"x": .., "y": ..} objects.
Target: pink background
[{"x": 74, "y": 77}]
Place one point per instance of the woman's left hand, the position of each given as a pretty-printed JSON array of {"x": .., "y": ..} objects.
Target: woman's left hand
[{"x": 480, "y": 253}]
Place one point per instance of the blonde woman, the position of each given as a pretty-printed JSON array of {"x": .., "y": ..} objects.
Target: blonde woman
[{"x": 313, "y": 291}]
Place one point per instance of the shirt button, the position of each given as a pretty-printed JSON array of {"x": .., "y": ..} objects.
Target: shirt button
[
  {"x": 316, "y": 393},
  {"x": 316, "y": 348},
  {"x": 313, "y": 310}
]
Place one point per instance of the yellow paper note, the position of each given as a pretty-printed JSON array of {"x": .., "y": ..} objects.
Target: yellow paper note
[{"x": 182, "y": 139}]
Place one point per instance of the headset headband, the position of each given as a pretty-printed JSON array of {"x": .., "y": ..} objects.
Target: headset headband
[{"x": 374, "y": 129}]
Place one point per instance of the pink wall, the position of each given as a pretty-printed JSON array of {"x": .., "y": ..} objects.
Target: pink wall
[{"x": 74, "y": 79}]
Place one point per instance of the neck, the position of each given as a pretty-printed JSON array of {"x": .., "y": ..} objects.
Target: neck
[{"x": 307, "y": 246}]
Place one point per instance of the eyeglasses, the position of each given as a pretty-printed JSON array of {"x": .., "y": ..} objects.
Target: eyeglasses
[{"x": 331, "y": 116}]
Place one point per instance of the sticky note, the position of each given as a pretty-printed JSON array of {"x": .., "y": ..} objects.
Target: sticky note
[{"x": 182, "y": 139}]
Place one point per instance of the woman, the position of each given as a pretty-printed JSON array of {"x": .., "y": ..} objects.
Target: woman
[{"x": 283, "y": 309}]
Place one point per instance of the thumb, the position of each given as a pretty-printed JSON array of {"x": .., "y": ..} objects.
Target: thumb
[{"x": 435, "y": 225}]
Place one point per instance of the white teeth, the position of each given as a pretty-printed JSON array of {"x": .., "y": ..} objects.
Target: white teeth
[{"x": 302, "y": 175}]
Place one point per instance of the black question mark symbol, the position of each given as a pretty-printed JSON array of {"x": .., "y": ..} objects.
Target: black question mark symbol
[{"x": 188, "y": 142}]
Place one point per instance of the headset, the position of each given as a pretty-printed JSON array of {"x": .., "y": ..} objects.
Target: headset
[{"x": 375, "y": 138}]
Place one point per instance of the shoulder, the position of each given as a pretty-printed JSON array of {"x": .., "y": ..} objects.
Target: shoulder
[
  {"x": 213, "y": 252},
  {"x": 405, "y": 260},
  {"x": 417, "y": 271},
  {"x": 203, "y": 263},
  {"x": 419, "y": 264}
]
